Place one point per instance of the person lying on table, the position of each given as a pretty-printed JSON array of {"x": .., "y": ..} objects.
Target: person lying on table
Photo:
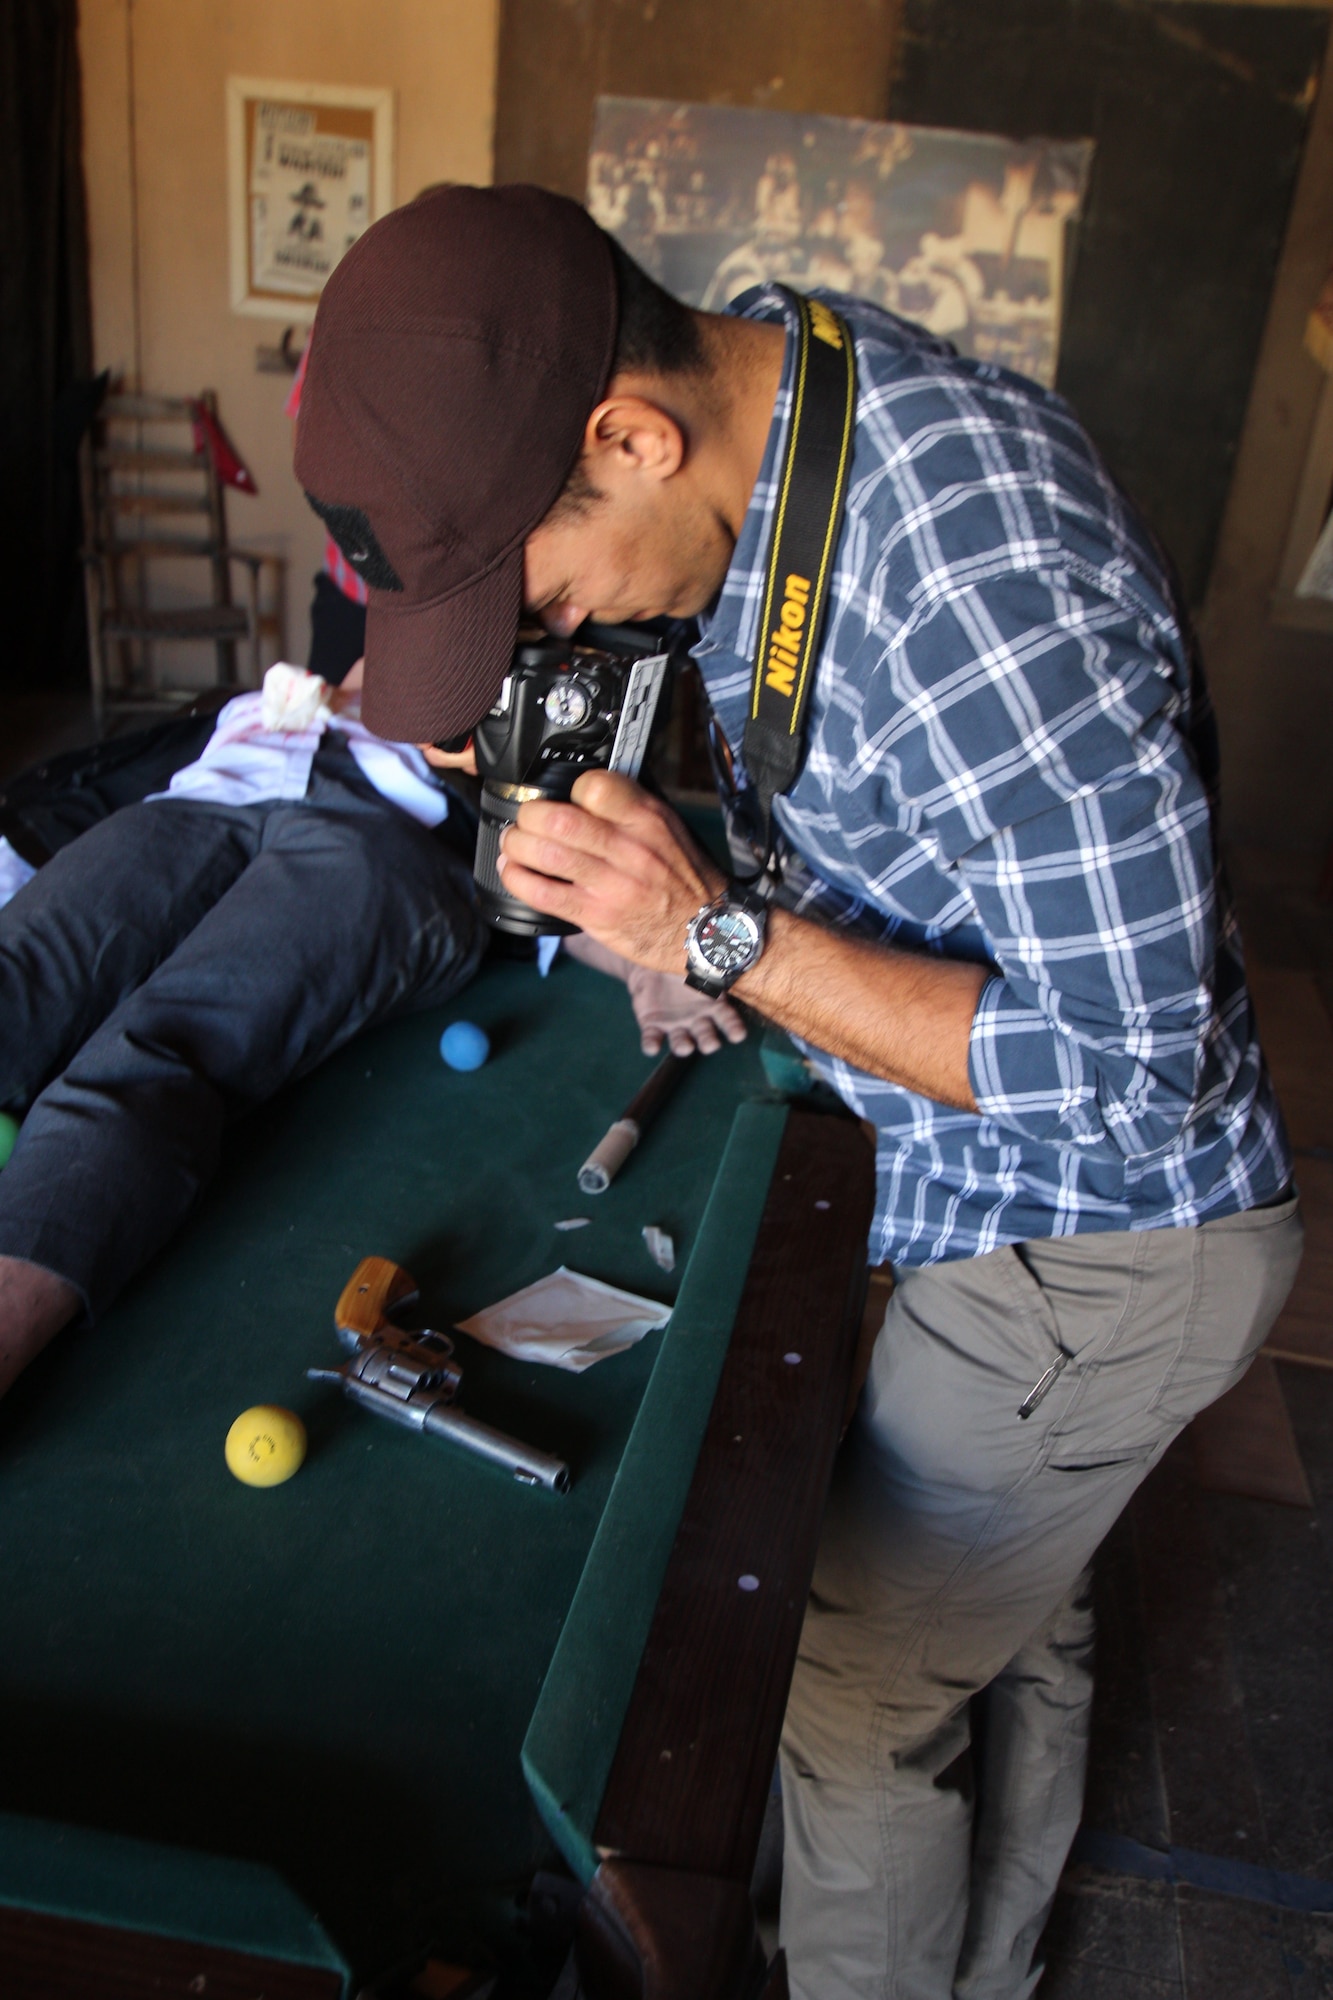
[
  {"x": 182, "y": 959},
  {"x": 995, "y": 918}
]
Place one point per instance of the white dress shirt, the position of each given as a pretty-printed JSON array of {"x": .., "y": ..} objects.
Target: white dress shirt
[{"x": 265, "y": 743}]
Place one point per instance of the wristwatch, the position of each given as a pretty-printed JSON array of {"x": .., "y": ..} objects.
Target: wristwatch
[{"x": 724, "y": 939}]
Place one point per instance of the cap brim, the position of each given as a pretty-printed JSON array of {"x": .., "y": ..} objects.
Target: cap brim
[{"x": 433, "y": 670}]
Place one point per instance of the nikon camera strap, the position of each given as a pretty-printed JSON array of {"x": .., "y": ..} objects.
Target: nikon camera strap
[{"x": 811, "y": 488}]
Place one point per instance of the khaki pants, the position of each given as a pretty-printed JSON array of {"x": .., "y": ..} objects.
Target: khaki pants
[{"x": 952, "y": 1587}]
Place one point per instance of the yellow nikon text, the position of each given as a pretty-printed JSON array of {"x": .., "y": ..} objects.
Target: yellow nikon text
[
  {"x": 784, "y": 641},
  {"x": 823, "y": 325}
]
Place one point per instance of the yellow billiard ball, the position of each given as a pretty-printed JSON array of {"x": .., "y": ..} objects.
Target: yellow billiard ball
[{"x": 265, "y": 1445}]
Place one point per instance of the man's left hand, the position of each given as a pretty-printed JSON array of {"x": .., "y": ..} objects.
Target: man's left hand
[{"x": 616, "y": 862}]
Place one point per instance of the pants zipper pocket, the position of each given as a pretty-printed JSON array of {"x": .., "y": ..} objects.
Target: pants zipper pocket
[{"x": 1042, "y": 1387}]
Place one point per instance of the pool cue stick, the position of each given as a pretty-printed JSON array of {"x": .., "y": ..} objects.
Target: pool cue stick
[{"x": 605, "y": 1161}]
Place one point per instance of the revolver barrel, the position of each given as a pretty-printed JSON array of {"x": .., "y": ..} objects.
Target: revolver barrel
[
  {"x": 412, "y": 1379},
  {"x": 529, "y": 1467}
]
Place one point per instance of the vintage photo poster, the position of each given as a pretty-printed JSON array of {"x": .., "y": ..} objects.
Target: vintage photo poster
[
  {"x": 309, "y": 199},
  {"x": 309, "y": 172},
  {"x": 966, "y": 233}
]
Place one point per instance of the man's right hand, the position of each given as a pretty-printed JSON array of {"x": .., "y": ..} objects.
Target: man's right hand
[{"x": 666, "y": 1009}]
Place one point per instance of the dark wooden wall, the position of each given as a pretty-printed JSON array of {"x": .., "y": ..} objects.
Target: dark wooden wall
[
  {"x": 1199, "y": 112},
  {"x": 558, "y": 56},
  {"x": 45, "y": 344}
]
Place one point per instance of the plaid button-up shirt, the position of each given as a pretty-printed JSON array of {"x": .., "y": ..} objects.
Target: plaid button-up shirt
[{"x": 1010, "y": 759}]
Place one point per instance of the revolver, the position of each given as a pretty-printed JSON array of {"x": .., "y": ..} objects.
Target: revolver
[{"x": 413, "y": 1378}]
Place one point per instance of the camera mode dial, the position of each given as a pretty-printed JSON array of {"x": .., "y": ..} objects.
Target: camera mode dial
[{"x": 567, "y": 705}]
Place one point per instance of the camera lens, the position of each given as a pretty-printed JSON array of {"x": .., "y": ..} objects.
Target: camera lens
[{"x": 499, "y": 809}]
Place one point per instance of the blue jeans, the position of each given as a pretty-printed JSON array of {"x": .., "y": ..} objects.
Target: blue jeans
[{"x": 180, "y": 962}]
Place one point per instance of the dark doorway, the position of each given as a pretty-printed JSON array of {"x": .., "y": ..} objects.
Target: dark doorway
[{"x": 45, "y": 344}]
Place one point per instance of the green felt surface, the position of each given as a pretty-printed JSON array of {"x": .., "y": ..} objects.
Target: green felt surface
[
  {"x": 572, "y": 1739},
  {"x": 334, "y": 1676},
  {"x": 103, "y": 1878}
]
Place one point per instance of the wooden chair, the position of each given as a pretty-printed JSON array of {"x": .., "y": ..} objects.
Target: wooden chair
[{"x": 150, "y": 498}]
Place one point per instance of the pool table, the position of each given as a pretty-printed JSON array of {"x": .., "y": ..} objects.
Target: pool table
[{"x": 289, "y": 1741}]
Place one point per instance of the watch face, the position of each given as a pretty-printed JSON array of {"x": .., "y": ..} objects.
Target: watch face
[{"x": 726, "y": 940}]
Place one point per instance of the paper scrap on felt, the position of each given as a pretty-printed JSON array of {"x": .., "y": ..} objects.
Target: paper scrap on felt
[
  {"x": 567, "y": 1321},
  {"x": 660, "y": 1246}
]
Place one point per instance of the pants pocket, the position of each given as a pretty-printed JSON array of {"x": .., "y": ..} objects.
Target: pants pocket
[
  {"x": 1247, "y": 1264},
  {"x": 1200, "y": 1307}
]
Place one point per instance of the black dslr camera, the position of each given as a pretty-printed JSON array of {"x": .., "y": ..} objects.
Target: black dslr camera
[{"x": 563, "y": 709}]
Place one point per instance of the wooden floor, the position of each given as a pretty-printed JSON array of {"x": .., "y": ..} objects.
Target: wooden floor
[{"x": 1205, "y": 1867}]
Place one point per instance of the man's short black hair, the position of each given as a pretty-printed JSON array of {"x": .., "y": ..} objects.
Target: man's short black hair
[{"x": 657, "y": 335}]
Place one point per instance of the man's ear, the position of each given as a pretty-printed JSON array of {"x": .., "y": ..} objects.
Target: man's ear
[{"x": 630, "y": 435}]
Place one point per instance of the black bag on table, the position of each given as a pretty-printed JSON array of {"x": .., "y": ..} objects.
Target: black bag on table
[{"x": 50, "y": 804}]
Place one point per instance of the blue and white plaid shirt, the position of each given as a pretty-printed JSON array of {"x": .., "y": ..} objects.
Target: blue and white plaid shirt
[{"x": 1010, "y": 759}]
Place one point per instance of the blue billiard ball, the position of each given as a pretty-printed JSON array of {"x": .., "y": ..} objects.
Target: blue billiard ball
[{"x": 464, "y": 1045}]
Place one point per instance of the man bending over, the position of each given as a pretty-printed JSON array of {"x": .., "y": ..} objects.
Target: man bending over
[{"x": 996, "y": 920}]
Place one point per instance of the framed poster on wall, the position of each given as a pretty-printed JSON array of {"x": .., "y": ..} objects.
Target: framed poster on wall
[{"x": 309, "y": 167}]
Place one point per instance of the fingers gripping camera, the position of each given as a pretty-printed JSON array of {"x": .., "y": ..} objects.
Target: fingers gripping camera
[{"x": 562, "y": 710}]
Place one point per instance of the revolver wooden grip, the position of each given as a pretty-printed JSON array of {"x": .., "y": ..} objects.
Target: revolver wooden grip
[{"x": 372, "y": 1292}]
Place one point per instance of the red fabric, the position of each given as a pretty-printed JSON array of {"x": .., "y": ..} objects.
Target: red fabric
[
  {"x": 209, "y": 436},
  {"x": 341, "y": 572},
  {"x": 292, "y": 406}
]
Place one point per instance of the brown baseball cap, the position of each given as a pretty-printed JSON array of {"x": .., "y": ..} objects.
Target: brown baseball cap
[{"x": 459, "y": 349}]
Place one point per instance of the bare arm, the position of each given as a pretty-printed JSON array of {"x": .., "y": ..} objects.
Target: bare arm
[
  {"x": 897, "y": 1014},
  {"x": 622, "y": 866}
]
